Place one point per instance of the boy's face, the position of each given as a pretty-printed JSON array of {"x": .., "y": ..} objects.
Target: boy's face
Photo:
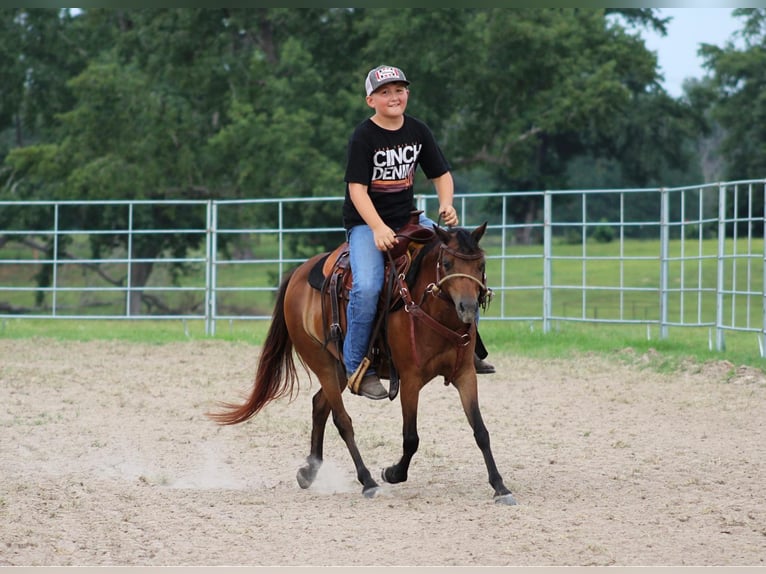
[{"x": 389, "y": 100}]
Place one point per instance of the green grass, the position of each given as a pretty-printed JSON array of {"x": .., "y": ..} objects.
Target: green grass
[
  {"x": 519, "y": 338},
  {"x": 567, "y": 339},
  {"x": 132, "y": 331}
]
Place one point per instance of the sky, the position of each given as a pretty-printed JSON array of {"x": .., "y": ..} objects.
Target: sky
[{"x": 677, "y": 51}]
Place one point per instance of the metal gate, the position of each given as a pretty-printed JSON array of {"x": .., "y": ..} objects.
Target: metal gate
[{"x": 575, "y": 257}]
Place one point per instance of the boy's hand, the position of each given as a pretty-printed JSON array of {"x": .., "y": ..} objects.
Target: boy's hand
[
  {"x": 449, "y": 215},
  {"x": 385, "y": 238}
]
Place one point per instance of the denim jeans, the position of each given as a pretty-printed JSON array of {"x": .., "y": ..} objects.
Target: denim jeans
[{"x": 368, "y": 268}]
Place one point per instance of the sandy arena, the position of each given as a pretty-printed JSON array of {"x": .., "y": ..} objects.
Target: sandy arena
[{"x": 106, "y": 458}]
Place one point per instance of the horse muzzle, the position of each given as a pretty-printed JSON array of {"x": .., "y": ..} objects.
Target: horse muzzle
[{"x": 467, "y": 309}]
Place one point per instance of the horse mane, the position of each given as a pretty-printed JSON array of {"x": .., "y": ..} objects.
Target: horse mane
[{"x": 466, "y": 242}]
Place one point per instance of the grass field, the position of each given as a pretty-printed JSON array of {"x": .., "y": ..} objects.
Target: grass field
[{"x": 516, "y": 338}]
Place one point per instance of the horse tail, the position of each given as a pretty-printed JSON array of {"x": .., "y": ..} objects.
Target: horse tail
[{"x": 275, "y": 376}]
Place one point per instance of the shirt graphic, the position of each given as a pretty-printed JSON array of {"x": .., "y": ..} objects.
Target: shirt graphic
[{"x": 394, "y": 168}]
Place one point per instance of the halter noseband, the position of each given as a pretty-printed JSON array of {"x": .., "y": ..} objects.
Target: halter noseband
[{"x": 435, "y": 289}]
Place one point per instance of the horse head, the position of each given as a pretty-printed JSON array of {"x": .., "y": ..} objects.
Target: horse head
[{"x": 460, "y": 270}]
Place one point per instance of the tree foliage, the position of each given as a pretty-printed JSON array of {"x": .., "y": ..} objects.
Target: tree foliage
[
  {"x": 736, "y": 94},
  {"x": 234, "y": 103}
]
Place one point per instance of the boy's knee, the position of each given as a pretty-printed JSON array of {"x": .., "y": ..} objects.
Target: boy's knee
[{"x": 366, "y": 292}]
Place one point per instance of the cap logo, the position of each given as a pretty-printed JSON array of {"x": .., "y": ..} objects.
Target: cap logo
[{"x": 387, "y": 74}]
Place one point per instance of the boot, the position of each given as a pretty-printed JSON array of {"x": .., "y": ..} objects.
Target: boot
[
  {"x": 482, "y": 366},
  {"x": 372, "y": 388}
]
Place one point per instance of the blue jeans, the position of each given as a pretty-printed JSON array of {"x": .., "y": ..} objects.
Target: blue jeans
[{"x": 368, "y": 269}]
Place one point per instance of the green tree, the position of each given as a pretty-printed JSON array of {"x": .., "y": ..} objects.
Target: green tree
[
  {"x": 551, "y": 88},
  {"x": 736, "y": 95},
  {"x": 40, "y": 50},
  {"x": 239, "y": 103},
  {"x": 288, "y": 126},
  {"x": 125, "y": 136}
]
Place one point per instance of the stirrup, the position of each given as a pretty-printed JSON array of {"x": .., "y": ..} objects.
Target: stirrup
[{"x": 356, "y": 378}]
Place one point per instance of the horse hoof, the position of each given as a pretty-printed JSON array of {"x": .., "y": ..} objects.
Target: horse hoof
[
  {"x": 394, "y": 478},
  {"x": 506, "y": 499},
  {"x": 304, "y": 477},
  {"x": 371, "y": 492}
]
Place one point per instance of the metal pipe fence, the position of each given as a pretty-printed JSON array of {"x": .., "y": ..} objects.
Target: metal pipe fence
[{"x": 661, "y": 257}]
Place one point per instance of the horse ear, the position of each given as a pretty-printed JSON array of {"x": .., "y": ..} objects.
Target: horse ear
[
  {"x": 478, "y": 233},
  {"x": 443, "y": 235}
]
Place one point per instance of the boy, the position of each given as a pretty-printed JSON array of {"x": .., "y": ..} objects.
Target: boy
[{"x": 383, "y": 153}]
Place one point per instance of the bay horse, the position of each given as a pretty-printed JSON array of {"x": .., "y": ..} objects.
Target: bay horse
[{"x": 430, "y": 334}]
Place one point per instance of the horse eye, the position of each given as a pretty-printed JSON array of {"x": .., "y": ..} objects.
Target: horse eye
[{"x": 448, "y": 265}]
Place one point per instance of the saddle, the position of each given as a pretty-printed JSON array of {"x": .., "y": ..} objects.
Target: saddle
[{"x": 332, "y": 276}]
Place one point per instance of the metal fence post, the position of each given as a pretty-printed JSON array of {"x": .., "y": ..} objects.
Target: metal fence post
[
  {"x": 547, "y": 253},
  {"x": 210, "y": 274},
  {"x": 281, "y": 235},
  {"x": 584, "y": 258},
  {"x": 128, "y": 281},
  {"x": 664, "y": 262},
  {"x": 55, "y": 256},
  {"x": 762, "y": 345},
  {"x": 503, "y": 253},
  {"x": 719, "y": 336},
  {"x": 420, "y": 202}
]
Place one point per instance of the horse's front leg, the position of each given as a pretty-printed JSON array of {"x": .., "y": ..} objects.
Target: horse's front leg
[
  {"x": 410, "y": 439},
  {"x": 469, "y": 398}
]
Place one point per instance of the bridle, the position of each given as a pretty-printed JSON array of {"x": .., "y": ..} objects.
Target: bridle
[{"x": 435, "y": 289}]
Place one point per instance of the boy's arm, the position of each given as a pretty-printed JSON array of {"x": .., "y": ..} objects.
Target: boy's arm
[
  {"x": 384, "y": 236},
  {"x": 445, "y": 189}
]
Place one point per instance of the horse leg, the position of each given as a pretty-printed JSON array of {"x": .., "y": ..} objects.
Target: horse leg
[
  {"x": 305, "y": 323},
  {"x": 329, "y": 400},
  {"x": 342, "y": 421},
  {"x": 410, "y": 439},
  {"x": 470, "y": 401},
  {"x": 320, "y": 412}
]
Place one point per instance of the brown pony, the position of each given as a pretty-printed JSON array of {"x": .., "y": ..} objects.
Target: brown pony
[{"x": 430, "y": 334}]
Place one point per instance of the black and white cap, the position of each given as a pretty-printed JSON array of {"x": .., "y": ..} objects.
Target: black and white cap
[{"x": 383, "y": 75}]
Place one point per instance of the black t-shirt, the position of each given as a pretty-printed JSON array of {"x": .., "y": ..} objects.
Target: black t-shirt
[{"x": 385, "y": 161}]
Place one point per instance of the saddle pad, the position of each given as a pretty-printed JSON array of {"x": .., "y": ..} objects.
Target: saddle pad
[
  {"x": 327, "y": 264},
  {"x": 316, "y": 275}
]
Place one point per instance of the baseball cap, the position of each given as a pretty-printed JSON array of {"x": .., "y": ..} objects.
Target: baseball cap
[{"x": 383, "y": 75}]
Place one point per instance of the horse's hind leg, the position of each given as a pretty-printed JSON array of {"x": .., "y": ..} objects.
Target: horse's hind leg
[
  {"x": 328, "y": 400},
  {"x": 320, "y": 412},
  {"x": 342, "y": 422}
]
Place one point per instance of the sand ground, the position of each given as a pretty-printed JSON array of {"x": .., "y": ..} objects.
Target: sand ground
[{"x": 106, "y": 458}]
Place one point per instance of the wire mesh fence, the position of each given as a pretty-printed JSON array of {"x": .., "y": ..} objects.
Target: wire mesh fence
[{"x": 662, "y": 257}]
